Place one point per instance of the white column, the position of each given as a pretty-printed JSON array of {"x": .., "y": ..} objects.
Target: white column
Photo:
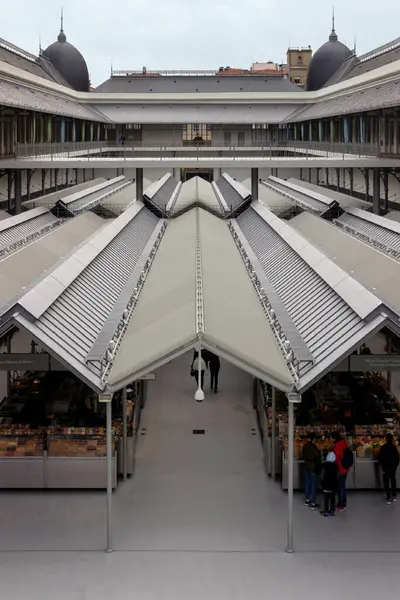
[
  {"x": 109, "y": 547},
  {"x": 124, "y": 436},
  {"x": 294, "y": 398},
  {"x": 273, "y": 435}
]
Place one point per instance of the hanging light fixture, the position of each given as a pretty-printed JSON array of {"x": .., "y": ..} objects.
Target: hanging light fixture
[{"x": 199, "y": 395}]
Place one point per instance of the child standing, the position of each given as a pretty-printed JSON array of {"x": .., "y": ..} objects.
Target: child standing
[{"x": 330, "y": 484}]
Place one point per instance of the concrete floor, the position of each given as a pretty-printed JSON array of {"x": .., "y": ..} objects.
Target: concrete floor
[{"x": 198, "y": 520}]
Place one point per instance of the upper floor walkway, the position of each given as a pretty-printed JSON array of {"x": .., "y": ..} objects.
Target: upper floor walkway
[{"x": 275, "y": 155}]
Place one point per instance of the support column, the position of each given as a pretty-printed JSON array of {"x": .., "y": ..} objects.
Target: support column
[
  {"x": 62, "y": 130},
  {"x": 91, "y": 132},
  {"x": 351, "y": 176},
  {"x": 273, "y": 435},
  {"x": 366, "y": 176},
  {"x": 254, "y": 184},
  {"x": 376, "y": 191},
  {"x": 9, "y": 190},
  {"x": 144, "y": 394},
  {"x": 362, "y": 129},
  {"x": 109, "y": 547},
  {"x": 49, "y": 130},
  {"x": 17, "y": 191},
  {"x": 302, "y": 132},
  {"x": 139, "y": 185},
  {"x": 43, "y": 181},
  {"x": 293, "y": 398},
  {"x": 73, "y": 130},
  {"x": 320, "y": 131},
  {"x": 83, "y": 126},
  {"x": 309, "y": 176},
  {"x": 124, "y": 435},
  {"x": 386, "y": 188},
  {"x": 332, "y": 125},
  {"x": 346, "y": 133},
  {"x": 310, "y": 131},
  {"x": 338, "y": 179}
]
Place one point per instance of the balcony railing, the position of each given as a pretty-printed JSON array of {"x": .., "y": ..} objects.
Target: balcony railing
[{"x": 130, "y": 149}]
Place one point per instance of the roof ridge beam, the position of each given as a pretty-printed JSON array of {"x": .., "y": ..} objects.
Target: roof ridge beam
[{"x": 199, "y": 280}]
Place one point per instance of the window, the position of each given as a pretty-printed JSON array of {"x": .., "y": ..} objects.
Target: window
[
  {"x": 197, "y": 132},
  {"x": 241, "y": 138},
  {"x": 227, "y": 138}
]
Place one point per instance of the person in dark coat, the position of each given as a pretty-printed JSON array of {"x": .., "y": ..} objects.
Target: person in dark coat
[
  {"x": 312, "y": 467},
  {"x": 389, "y": 460},
  {"x": 330, "y": 482},
  {"x": 214, "y": 366}
]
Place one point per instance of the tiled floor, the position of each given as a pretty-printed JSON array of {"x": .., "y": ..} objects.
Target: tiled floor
[{"x": 198, "y": 520}]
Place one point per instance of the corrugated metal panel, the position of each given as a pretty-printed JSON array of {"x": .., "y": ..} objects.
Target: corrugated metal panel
[
  {"x": 161, "y": 198},
  {"x": 294, "y": 194},
  {"x": 26, "y": 229},
  {"x": 231, "y": 196},
  {"x": 75, "y": 319},
  {"x": 371, "y": 268},
  {"x": 344, "y": 200},
  {"x": 375, "y": 228},
  {"x": 321, "y": 316}
]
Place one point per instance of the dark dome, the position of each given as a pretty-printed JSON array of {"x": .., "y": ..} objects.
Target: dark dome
[
  {"x": 69, "y": 62},
  {"x": 326, "y": 61}
]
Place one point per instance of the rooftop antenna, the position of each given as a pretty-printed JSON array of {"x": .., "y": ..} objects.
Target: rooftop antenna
[
  {"x": 62, "y": 20},
  {"x": 355, "y": 45},
  {"x": 111, "y": 65},
  {"x": 40, "y": 45}
]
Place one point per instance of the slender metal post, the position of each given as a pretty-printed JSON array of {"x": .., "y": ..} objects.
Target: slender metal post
[
  {"x": 17, "y": 191},
  {"x": 109, "y": 547},
  {"x": 273, "y": 435},
  {"x": 124, "y": 435},
  {"x": 289, "y": 544}
]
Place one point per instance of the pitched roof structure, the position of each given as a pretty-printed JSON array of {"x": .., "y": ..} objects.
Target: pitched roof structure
[
  {"x": 373, "y": 269},
  {"x": 21, "y": 229},
  {"x": 382, "y": 233}
]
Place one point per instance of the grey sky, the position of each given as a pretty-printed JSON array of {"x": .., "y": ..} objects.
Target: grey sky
[{"x": 195, "y": 34}]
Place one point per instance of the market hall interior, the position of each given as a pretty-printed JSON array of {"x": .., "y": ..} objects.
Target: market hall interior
[{"x": 194, "y": 492}]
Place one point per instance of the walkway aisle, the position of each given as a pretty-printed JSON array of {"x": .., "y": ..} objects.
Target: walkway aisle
[{"x": 198, "y": 492}]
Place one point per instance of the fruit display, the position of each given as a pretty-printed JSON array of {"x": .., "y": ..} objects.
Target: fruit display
[
  {"x": 20, "y": 446},
  {"x": 79, "y": 441}
]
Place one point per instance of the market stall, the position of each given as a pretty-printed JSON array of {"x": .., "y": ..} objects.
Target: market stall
[{"x": 52, "y": 433}]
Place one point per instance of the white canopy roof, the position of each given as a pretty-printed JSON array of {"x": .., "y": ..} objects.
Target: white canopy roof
[{"x": 164, "y": 323}]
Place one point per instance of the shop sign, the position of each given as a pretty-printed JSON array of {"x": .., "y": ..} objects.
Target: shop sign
[
  {"x": 24, "y": 362},
  {"x": 375, "y": 362},
  {"x": 106, "y": 398}
]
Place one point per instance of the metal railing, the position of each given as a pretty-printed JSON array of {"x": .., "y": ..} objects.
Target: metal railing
[{"x": 131, "y": 149}]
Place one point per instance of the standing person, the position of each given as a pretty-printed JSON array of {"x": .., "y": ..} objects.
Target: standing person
[
  {"x": 329, "y": 485},
  {"x": 344, "y": 461},
  {"x": 389, "y": 460},
  {"x": 195, "y": 368},
  {"x": 214, "y": 366},
  {"x": 312, "y": 468}
]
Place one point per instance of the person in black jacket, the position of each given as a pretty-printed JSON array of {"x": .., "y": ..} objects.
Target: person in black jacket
[
  {"x": 214, "y": 366},
  {"x": 330, "y": 481},
  {"x": 312, "y": 468},
  {"x": 389, "y": 460}
]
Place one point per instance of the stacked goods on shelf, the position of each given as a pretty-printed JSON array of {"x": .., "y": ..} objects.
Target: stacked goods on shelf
[
  {"x": 81, "y": 442},
  {"x": 323, "y": 438},
  {"x": 368, "y": 439},
  {"x": 18, "y": 441}
]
